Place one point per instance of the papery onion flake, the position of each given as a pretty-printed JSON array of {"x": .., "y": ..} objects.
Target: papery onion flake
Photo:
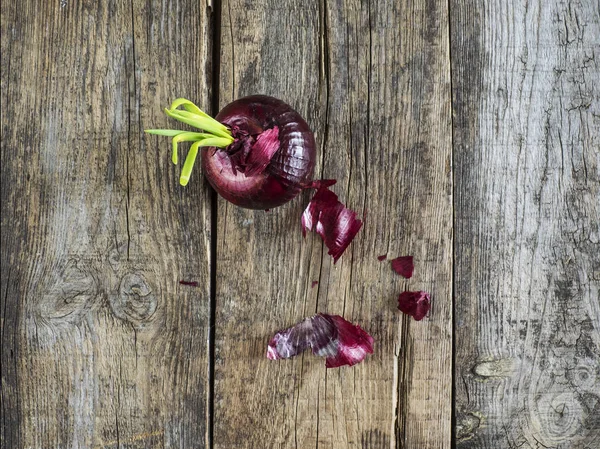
[
  {"x": 403, "y": 266},
  {"x": 326, "y": 215},
  {"x": 415, "y": 304},
  {"x": 329, "y": 336}
]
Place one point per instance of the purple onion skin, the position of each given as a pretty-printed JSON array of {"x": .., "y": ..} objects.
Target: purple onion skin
[{"x": 290, "y": 168}]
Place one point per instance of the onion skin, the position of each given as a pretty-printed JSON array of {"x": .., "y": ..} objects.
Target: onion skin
[{"x": 288, "y": 172}]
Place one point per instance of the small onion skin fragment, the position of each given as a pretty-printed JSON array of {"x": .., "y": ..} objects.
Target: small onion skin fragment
[
  {"x": 289, "y": 170},
  {"x": 404, "y": 266},
  {"x": 190, "y": 283},
  {"x": 415, "y": 304},
  {"x": 330, "y": 336}
]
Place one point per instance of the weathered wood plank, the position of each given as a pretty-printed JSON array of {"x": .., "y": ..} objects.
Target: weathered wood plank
[
  {"x": 527, "y": 114},
  {"x": 377, "y": 94},
  {"x": 102, "y": 346},
  {"x": 263, "y": 280},
  {"x": 389, "y": 143}
]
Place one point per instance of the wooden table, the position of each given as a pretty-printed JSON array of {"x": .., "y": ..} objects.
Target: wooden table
[{"x": 467, "y": 132}]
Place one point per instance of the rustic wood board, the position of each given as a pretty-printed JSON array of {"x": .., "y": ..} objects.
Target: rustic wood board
[
  {"x": 526, "y": 141},
  {"x": 101, "y": 346},
  {"x": 377, "y": 95},
  {"x": 263, "y": 278}
]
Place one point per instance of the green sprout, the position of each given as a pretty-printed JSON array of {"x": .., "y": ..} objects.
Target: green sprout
[{"x": 214, "y": 134}]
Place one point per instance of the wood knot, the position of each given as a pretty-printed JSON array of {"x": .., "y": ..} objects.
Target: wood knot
[
  {"x": 560, "y": 417},
  {"x": 585, "y": 376},
  {"x": 564, "y": 404},
  {"x": 135, "y": 302},
  {"x": 71, "y": 294},
  {"x": 494, "y": 368},
  {"x": 467, "y": 424}
]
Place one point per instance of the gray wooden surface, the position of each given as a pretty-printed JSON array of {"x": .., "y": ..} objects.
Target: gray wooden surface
[
  {"x": 467, "y": 132},
  {"x": 101, "y": 346},
  {"x": 526, "y": 101}
]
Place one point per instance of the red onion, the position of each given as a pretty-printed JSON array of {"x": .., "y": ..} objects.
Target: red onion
[
  {"x": 260, "y": 152},
  {"x": 290, "y": 168}
]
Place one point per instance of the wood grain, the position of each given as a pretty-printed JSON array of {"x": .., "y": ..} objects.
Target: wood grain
[
  {"x": 389, "y": 145},
  {"x": 263, "y": 278},
  {"x": 527, "y": 114},
  {"x": 101, "y": 347},
  {"x": 378, "y": 97}
]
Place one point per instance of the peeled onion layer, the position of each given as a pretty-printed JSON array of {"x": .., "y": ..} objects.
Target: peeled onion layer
[
  {"x": 330, "y": 336},
  {"x": 328, "y": 217}
]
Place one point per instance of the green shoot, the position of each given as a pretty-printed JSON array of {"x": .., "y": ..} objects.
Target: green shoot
[{"x": 214, "y": 134}]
